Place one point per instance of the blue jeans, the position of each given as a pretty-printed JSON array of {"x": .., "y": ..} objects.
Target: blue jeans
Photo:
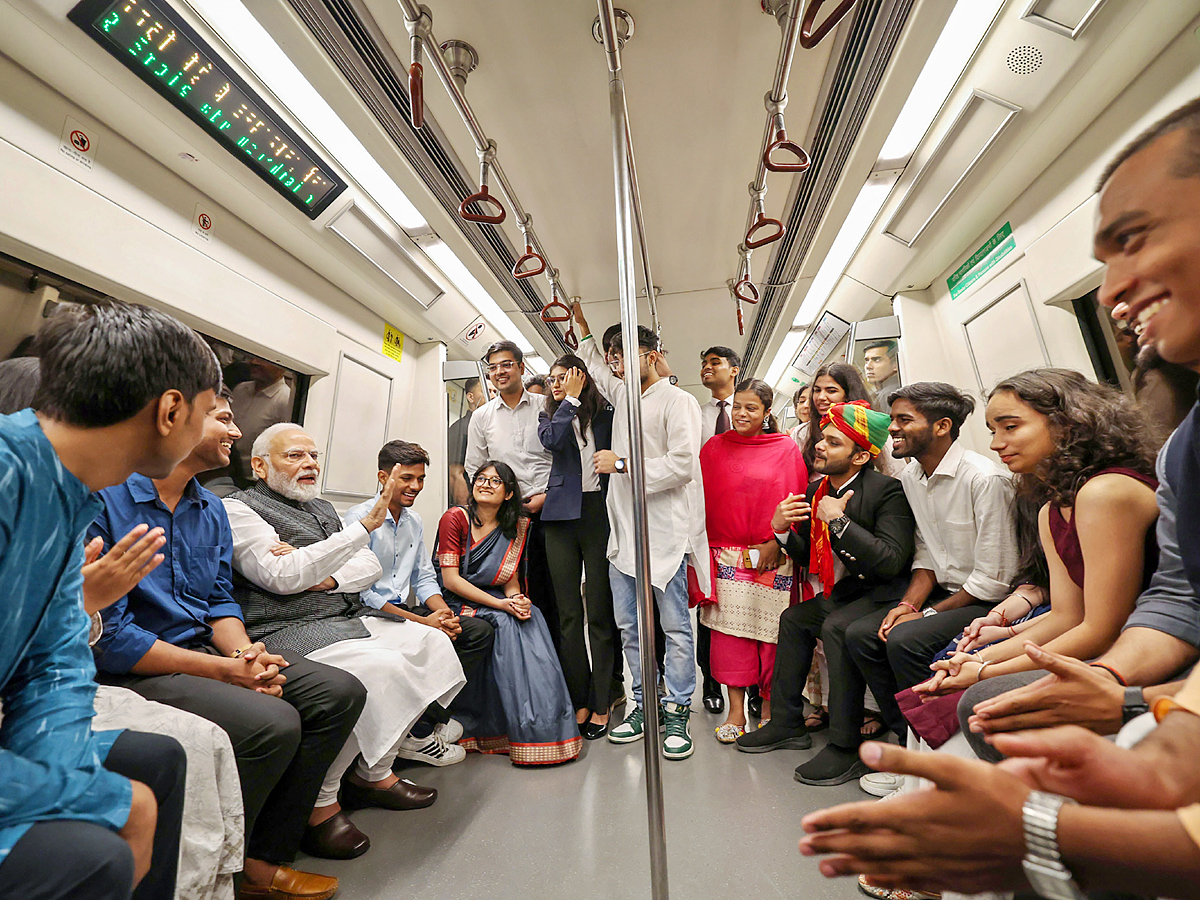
[{"x": 680, "y": 661}]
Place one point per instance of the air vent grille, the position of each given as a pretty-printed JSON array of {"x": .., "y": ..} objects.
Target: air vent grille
[{"x": 1024, "y": 60}]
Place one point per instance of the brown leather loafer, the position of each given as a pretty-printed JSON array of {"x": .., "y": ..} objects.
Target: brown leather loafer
[
  {"x": 401, "y": 795},
  {"x": 335, "y": 838},
  {"x": 289, "y": 884}
]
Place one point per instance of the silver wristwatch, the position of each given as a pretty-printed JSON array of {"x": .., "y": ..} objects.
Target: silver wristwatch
[
  {"x": 1043, "y": 865},
  {"x": 839, "y": 525}
]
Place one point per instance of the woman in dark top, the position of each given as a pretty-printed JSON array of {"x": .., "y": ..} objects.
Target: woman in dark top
[
  {"x": 576, "y": 423},
  {"x": 1082, "y": 451}
]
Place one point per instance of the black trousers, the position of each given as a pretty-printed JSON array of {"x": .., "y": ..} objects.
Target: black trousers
[
  {"x": 538, "y": 583},
  {"x": 473, "y": 647},
  {"x": 903, "y": 660},
  {"x": 64, "y": 858},
  {"x": 799, "y": 628},
  {"x": 573, "y": 547},
  {"x": 283, "y": 746}
]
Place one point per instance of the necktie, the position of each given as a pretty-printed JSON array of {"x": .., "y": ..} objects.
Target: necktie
[{"x": 722, "y": 417}]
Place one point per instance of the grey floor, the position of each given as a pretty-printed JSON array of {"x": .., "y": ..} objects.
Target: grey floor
[{"x": 579, "y": 830}]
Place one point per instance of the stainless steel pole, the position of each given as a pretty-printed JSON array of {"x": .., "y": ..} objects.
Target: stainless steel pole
[
  {"x": 647, "y": 275},
  {"x": 633, "y": 391}
]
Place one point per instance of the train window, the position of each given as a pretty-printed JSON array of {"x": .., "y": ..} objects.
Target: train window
[
  {"x": 264, "y": 393},
  {"x": 879, "y": 361},
  {"x": 463, "y": 397},
  {"x": 1111, "y": 347}
]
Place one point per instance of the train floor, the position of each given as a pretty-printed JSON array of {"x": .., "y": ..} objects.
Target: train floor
[{"x": 579, "y": 830}]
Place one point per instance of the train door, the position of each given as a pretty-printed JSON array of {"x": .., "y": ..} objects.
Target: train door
[{"x": 466, "y": 390}]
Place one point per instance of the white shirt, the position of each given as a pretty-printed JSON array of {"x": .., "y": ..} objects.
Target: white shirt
[
  {"x": 587, "y": 452},
  {"x": 710, "y": 410},
  {"x": 255, "y": 411},
  {"x": 345, "y": 556},
  {"x": 966, "y": 524},
  {"x": 510, "y": 436},
  {"x": 674, "y": 489}
]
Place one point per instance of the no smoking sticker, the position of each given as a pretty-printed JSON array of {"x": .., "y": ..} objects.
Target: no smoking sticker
[
  {"x": 78, "y": 143},
  {"x": 202, "y": 223},
  {"x": 473, "y": 335}
]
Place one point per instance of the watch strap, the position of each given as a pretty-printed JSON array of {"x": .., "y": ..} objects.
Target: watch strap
[
  {"x": 1043, "y": 862},
  {"x": 1135, "y": 704},
  {"x": 839, "y": 525}
]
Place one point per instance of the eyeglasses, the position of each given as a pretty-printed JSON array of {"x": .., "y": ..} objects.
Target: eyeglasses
[
  {"x": 614, "y": 364},
  {"x": 505, "y": 366},
  {"x": 489, "y": 480},
  {"x": 295, "y": 456},
  {"x": 557, "y": 379}
]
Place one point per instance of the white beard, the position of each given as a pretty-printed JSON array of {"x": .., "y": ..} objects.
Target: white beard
[{"x": 290, "y": 487}]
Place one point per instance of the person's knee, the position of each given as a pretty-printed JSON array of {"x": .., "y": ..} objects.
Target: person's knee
[
  {"x": 278, "y": 728},
  {"x": 858, "y": 637},
  {"x": 478, "y": 635},
  {"x": 106, "y": 866},
  {"x": 169, "y": 764},
  {"x": 344, "y": 695}
]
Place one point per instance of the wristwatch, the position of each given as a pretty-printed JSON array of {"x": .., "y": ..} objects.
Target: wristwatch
[
  {"x": 839, "y": 525},
  {"x": 1135, "y": 704},
  {"x": 674, "y": 379},
  {"x": 619, "y": 465},
  {"x": 929, "y": 611},
  {"x": 1043, "y": 865}
]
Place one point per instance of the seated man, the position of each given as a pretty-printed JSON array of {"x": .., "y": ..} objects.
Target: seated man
[
  {"x": 408, "y": 576},
  {"x": 966, "y": 556},
  {"x": 297, "y": 576},
  {"x": 859, "y": 541},
  {"x": 123, "y": 388},
  {"x": 178, "y": 638}
]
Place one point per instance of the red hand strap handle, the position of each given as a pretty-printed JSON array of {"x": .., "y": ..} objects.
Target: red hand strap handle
[
  {"x": 532, "y": 257},
  {"x": 809, "y": 36},
  {"x": 745, "y": 291},
  {"x": 741, "y": 321},
  {"x": 482, "y": 197},
  {"x": 416, "y": 95},
  {"x": 762, "y": 222},
  {"x": 569, "y": 337},
  {"x": 781, "y": 142},
  {"x": 555, "y": 303}
]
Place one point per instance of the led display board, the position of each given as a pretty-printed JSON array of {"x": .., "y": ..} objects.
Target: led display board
[{"x": 152, "y": 40}]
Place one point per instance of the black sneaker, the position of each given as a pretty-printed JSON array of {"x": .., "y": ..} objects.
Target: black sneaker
[
  {"x": 774, "y": 737},
  {"x": 833, "y": 765}
]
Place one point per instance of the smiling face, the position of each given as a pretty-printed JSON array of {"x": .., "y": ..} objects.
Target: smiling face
[
  {"x": 1021, "y": 435},
  {"x": 410, "y": 481},
  {"x": 489, "y": 489},
  {"x": 748, "y": 415},
  {"x": 912, "y": 434},
  {"x": 802, "y": 410},
  {"x": 836, "y": 454},
  {"x": 291, "y": 467},
  {"x": 825, "y": 393},
  {"x": 716, "y": 373},
  {"x": 1148, "y": 237},
  {"x": 216, "y": 444},
  {"x": 505, "y": 372}
]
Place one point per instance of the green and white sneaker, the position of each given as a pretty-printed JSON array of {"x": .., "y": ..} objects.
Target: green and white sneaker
[
  {"x": 677, "y": 743},
  {"x": 632, "y": 729}
]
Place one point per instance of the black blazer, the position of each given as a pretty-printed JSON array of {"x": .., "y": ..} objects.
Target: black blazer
[
  {"x": 564, "y": 492},
  {"x": 877, "y": 546}
]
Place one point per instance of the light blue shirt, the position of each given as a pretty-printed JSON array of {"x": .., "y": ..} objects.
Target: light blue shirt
[{"x": 400, "y": 548}]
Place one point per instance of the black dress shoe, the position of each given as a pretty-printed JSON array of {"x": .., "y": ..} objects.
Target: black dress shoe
[
  {"x": 593, "y": 731},
  {"x": 714, "y": 702},
  {"x": 754, "y": 707},
  {"x": 335, "y": 838},
  {"x": 401, "y": 795}
]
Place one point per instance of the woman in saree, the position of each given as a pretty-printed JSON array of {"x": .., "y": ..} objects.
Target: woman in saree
[
  {"x": 747, "y": 471},
  {"x": 525, "y": 710}
]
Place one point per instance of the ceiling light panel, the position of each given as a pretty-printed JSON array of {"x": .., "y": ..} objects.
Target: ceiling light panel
[
  {"x": 386, "y": 253},
  {"x": 978, "y": 125},
  {"x": 1065, "y": 17}
]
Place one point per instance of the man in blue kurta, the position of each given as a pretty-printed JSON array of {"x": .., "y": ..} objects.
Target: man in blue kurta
[{"x": 123, "y": 389}]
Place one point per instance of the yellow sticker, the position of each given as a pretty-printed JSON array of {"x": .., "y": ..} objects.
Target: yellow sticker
[{"x": 393, "y": 342}]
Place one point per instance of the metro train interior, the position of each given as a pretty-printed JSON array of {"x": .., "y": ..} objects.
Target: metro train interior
[{"x": 921, "y": 172}]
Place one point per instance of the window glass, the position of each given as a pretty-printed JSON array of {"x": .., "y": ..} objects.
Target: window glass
[{"x": 879, "y": 361}]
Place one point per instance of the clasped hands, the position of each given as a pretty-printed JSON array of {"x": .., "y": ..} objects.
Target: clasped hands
[
  {"x": 257, "y": 670},
  {"x": 518, "y": 606}
]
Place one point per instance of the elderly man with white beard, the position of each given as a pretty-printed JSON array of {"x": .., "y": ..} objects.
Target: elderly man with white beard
[{"x": 297, "y": 576}]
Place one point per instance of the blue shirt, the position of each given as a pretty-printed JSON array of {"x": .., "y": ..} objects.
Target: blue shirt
[
  {"x": 400, "y": 548},
  {"x": 192, "y": 586},
  {"x": 51, "y": 763}
]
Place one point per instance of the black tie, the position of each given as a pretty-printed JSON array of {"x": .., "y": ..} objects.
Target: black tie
[{"x": 722, "y": 417}]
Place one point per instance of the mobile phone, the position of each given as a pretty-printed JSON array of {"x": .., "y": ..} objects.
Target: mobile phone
[{"x": 750, "y": 558}]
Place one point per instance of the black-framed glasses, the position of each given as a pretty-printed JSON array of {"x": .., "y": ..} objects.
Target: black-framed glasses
[{"x": 489, "y": 481}]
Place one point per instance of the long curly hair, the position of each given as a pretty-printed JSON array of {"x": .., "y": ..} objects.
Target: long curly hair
[
  {"x": 851, "y": 381},
  {"x": 591, "y": 402},
  {"x": 1094, "y": 427}
]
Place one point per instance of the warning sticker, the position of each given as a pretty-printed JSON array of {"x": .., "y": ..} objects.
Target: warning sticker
[
  {"x": 393, "y": 342},
  {"x": 202, "y": 223},
  {"x": 475, "y": 334},
  {"x": 78, "y": 143}
]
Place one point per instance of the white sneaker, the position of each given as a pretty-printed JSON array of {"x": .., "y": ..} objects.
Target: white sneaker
[
  {"x": 450, "y": 731},
  {"x": 881, "y": 784},
  {"x": 431, "y": 750}
]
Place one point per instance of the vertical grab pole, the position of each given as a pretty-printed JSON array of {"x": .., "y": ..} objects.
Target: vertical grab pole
[{"x": 633, "y": 390}]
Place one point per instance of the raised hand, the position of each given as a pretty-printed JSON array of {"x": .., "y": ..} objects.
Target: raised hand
[
  {"x": 791, "y": 509},
  {"x": 576, "y": 379},
  {"x": 378, "y": 514},
  {"x": 107, "y": 577}
]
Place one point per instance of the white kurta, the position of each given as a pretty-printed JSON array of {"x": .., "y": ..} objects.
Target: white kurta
[{"x": 674, "y": 488}]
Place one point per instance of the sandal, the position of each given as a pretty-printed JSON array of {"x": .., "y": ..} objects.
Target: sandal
[
  {"x": 879, "y": 893},
  {"x": 817, "y": 720},
  {"x": 872, "y": 725},
  {"x": 729, "y": 733}
]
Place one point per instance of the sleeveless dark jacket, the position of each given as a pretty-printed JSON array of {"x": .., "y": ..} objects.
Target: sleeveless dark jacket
[{"x": 308, "y": 620}]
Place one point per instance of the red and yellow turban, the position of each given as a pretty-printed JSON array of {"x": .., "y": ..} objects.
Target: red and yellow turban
[{"x": 865, "y": 426}]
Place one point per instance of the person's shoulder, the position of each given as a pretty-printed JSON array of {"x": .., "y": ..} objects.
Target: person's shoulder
[
  {"x": 453, "y": 514},
  {"x": 1112, "y": 490}
]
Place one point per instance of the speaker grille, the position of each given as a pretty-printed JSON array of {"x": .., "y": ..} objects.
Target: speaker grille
[{"x": 1024, "y": 60}]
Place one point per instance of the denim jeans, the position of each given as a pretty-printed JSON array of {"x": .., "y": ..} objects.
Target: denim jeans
[{"x": 680, "y": 661}]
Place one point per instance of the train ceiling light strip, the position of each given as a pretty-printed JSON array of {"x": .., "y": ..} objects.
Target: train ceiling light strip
[{"x": 151, "y": 40}]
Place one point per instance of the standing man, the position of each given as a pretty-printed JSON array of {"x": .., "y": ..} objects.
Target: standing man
[
  {"x": 882, "y": 371},
  {"x": 965, "y": 560},
  {"x": 719, "y": 367},
  {"x": 258, "y": 404},
  {"x": 854, "y": 531},
  {"x": 674, "y": 519},
  {"x": 506, "y": 429},
  {"x": 456, "y": 443}
]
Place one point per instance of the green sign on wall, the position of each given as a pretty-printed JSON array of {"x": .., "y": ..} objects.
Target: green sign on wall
[{"x": 983, "y": 260}]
